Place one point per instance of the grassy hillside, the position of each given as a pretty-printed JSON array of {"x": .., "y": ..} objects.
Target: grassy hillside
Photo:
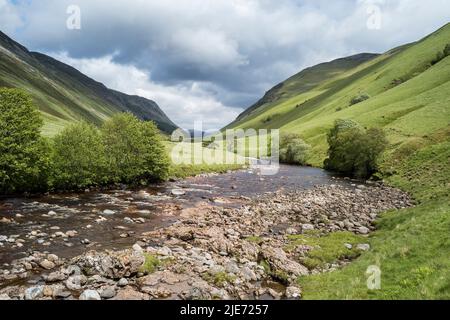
[
  {"x": 64, "y": 95},
  {"x": 410, "y": 100}
]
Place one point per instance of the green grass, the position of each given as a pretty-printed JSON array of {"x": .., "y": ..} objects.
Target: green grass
[
  {"x": 219, "y": 279},
  {"x": 153, "y": 262},
  {"x": 407, "y": 243},
  {"x": 327, "y": 248},
  {"x": 190, "y": 162},
  {"x": 410, "y": 101}
]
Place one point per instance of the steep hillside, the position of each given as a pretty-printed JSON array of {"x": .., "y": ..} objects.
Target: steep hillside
[
  {"x": 305, "y": 81},
  {"x": 409, "y": 98},
  {"x": 408, "y": 92},
  {"x": 64, "y": 94}
]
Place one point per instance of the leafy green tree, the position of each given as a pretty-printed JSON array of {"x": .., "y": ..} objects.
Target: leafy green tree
[
  {"x": 293, "y": 149},
  {"x": 78, "y": 158},
  {"x": 24, "y": 154},
  {"x": 354, "y": 151},
  {"x": 134, "y": 150}
]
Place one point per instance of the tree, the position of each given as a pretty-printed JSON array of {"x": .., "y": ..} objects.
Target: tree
[
  {"x": 133, "y": 150},
  {"x": 353, "y": 150},
  {"x": 293, "y": 149},
  {"x": 24, "y": 159},
  {"x": 78, "y": 157}
]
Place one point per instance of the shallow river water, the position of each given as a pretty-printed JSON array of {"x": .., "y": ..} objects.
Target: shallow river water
[{"x": 115, "y": 219}]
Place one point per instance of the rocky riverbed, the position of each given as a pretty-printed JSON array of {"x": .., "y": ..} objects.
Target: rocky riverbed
[{"x": 229, "y": 247}]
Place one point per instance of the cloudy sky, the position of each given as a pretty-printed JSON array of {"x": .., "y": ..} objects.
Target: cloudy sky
[{"x": 209, "y": 59}]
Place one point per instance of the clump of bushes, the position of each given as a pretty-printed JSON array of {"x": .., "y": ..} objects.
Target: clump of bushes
[
  {"x": 133, "y": 150},
  {"x": 293, "y": 149},
  {"x": 24, "y": 154},
  {"x": 441, "y": 55},
  {"x": 359, "y": 98},
  {"x": 353, "y": 150},
  {"x": 124, "y": 150}
]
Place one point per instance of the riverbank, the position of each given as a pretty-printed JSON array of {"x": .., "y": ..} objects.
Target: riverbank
[{"x": 229, "y": 247}]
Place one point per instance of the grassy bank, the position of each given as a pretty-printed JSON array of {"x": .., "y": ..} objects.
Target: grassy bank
[
  {"x": 411, "y": 246},
  {"x": 193, "y": 159}
]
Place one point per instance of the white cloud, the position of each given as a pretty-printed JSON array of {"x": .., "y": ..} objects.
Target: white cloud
[
  {"x": 9, "y": 17},
  {"x": 184, "y": 104}
]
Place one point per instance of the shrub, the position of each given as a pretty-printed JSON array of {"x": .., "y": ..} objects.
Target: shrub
[
  {"x": 293, "y": 149},
  {"x": 354, "y": 151},
  {"x": 360, "y": 98},
  {"x": 441, "y": 55},
  {"x": 24, "y": 154},
  {"x": 78, "y": 157},
  {"x": 134, "y": 150}
]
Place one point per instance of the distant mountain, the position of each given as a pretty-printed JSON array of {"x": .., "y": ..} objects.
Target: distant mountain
[
  {"x": 308, "y": 79},
  {"x": 63, "y": 94}
]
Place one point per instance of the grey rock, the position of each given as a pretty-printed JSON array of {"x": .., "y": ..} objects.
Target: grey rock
[
  {"x": 46, "y": 264},
  {"x": 178, "y": 192},
  {"x": 76, "y": 282},
  {"x": 363, "y": 230},
  {"x": 293, "y": 293},
  {"x": 107, "y": 292},
  {"x": 90, "y": 295},
  {"x": 34, "y": 293},
  {"x": 248, "y": 274},
  {"x": 122, "y": 282},
  {"x": 232, "y": 267},
  {"x": 56, "y": 276},
  {"x": 307, "y": 226},
  {"x": 363, "y": 247},
  {"x": 4, "y": 296}
]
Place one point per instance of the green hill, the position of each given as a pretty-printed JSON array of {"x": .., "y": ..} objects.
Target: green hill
[
  {"x": 63, "y": 94},
  {"x": 408, "y": 91}
]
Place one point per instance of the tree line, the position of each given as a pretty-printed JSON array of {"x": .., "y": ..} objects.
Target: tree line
[{"x": 123, "y": 150}]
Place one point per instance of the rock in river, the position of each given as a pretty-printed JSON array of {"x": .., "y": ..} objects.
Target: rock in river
[{"x": 90, "y": 295}]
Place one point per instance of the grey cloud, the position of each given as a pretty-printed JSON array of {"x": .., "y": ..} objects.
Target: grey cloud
[{"x": 235, "y": 49}]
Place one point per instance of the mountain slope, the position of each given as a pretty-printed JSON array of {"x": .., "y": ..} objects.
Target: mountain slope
[
  {"x": 409, "y": 92},
  {"x": 63, "y": 94},
  {"x": 305, "y": 81},
  {"x": 408, "y": 98}
]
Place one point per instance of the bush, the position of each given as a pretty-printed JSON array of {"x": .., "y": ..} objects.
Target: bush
[
  {"x": 134, "y": 150},
  {"x": 354, "y": 151},
  {"x": 78, "y": 158},
  {"x": 24, "y": 154},
  {"x": 360, "y": 98},
  {"x": 293, "y": 149},
  {"x": 441, "y": 55}
]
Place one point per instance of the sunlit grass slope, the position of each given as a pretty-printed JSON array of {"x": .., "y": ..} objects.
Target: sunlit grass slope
[{"x": 410, "y": 99}]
